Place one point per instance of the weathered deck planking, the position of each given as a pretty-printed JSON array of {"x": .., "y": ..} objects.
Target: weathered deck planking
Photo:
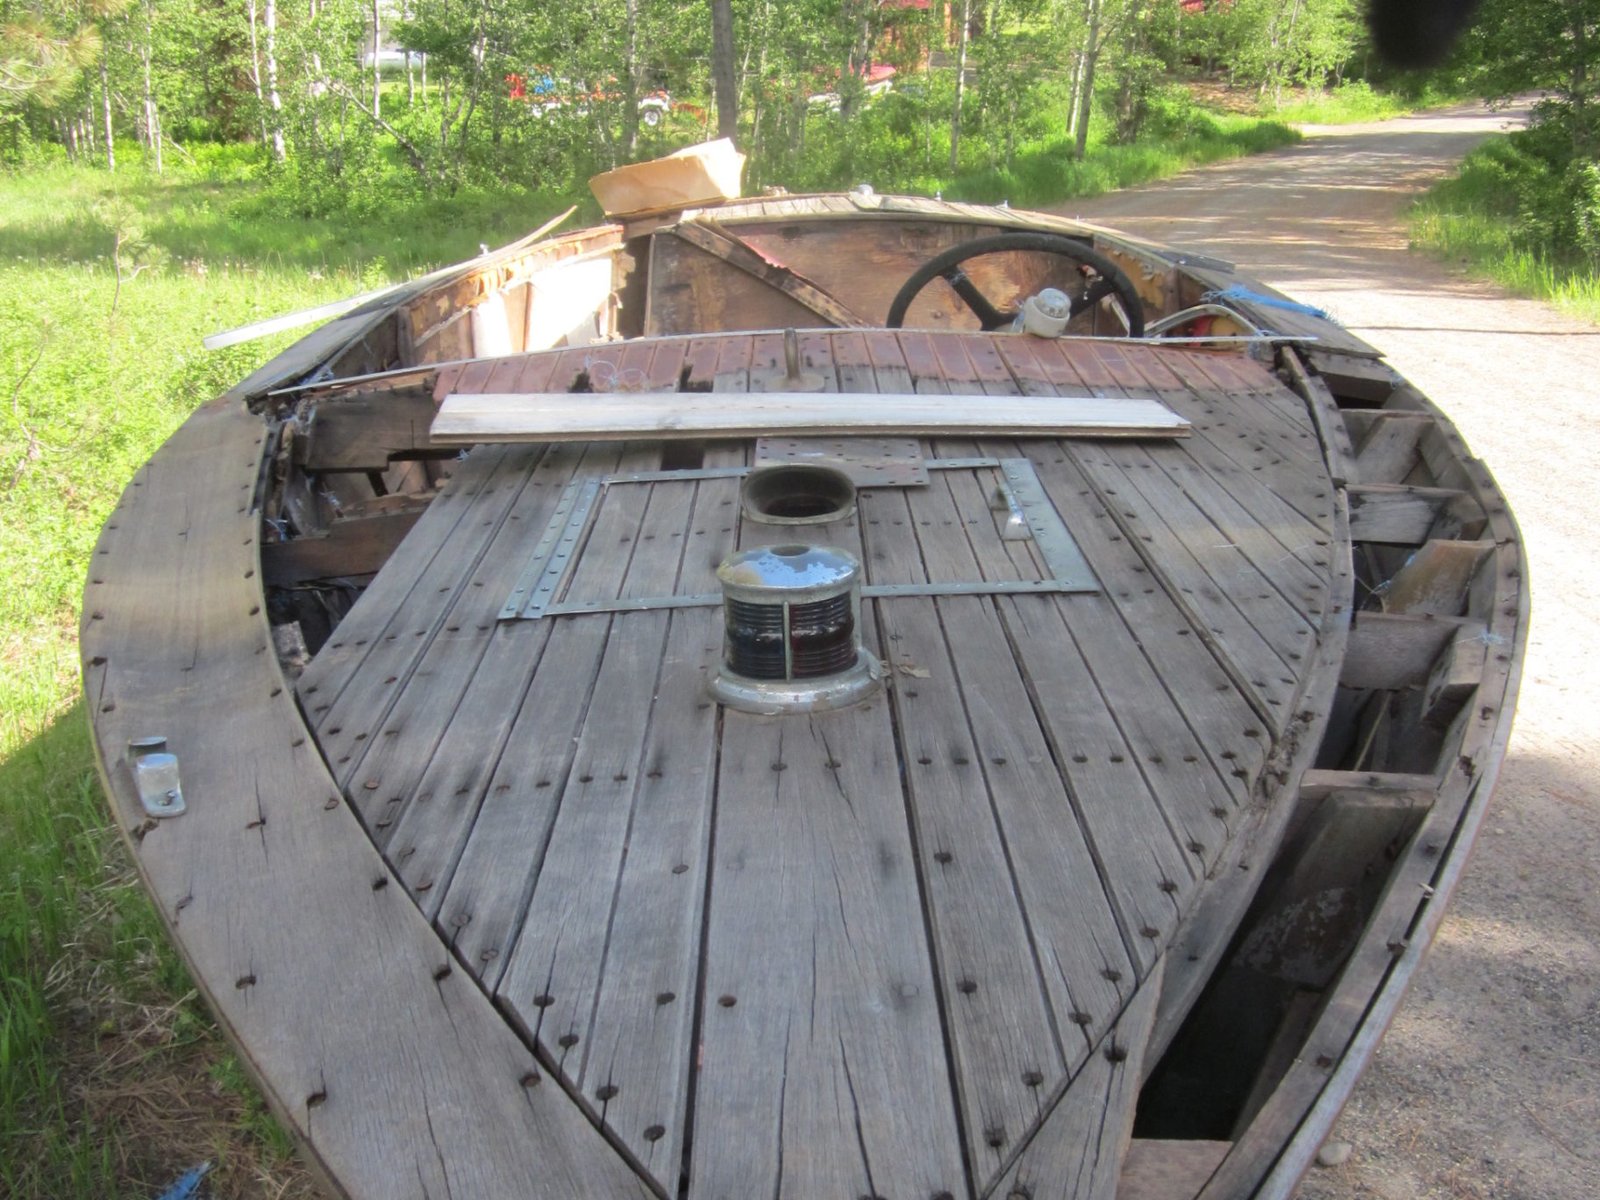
[
  {"x": 606, "y": 856},
  {"x": 1079, "y": 1151},
  {"x": 266, "y": 852}
]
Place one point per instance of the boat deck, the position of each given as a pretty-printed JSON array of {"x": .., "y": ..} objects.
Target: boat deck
[{"x": 912, "y": 948}]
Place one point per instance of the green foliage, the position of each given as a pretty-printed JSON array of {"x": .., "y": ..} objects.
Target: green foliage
[
  {"x": 1510, "y": 213},
  {"x": 1273, "y": 44}
]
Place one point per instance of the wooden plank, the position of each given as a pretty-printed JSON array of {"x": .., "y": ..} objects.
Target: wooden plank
[
  {"x": 1338, "y": 452},
  {"x": 1352, "y": 377},
  {"x": 1139, "y": 645},
  {"x": 1263, "y": 481},
  {"x": 642, "y": 1029},
  {"x": 1078, "y": 1152},
  {"x": 1388, "y": 450},
  {"x": 1005, "y": 1051},
  {"x": 466, "y": 419},
  {"x": 1160, "y": 1169},
  {"x": 445, "y": 622},
  {"x": 355, "y": 545},
  {"x": 1454, "y": 678},
  {"x": 570, "y": 940},
  {"x": 1234, "y": 432},
  {"x": 693, "y": 290},
  {"x": 1398, "y": 515},
  {"x": 714, "y": 239},
  {"x": 363, "y": 432},
  {"x": 246, "y": 880},
  {"x": 1396, "y": 650},
  {"x": 820, "y": 1007},
  {"x": 1435, "y": 579},
  {"x": 440, "y": 533},
  {"x": 1226, "y": 597}
]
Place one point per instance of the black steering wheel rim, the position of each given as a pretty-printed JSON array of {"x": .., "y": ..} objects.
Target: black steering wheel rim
[{"x": 1113, "y": 280}]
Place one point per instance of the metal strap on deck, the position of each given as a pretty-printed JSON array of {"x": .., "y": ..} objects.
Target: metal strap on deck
[{"x": 538, "y": 590}]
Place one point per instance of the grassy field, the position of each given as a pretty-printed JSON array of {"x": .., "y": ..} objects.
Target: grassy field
[
  {"x": 1480, "y": 218},
  {"x": 113, "y": 1079}
]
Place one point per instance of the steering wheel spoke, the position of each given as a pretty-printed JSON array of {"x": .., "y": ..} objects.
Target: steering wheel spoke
[
  {"x": 989, "y": 317},
  {"x": 1102, "y": 278},
  {"x": 1091, "y": 295}
]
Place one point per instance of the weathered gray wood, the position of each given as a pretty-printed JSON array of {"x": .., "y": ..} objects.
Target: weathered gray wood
[
  {"x": 1397, "y": 650},
  {"x": 355, "y": 545},
  {"x": 1397, "y": 515},
  {"x": 363, "y": 432},
  {"x": 411, "y": 685},
  {"x": 395, "y": 1073},
  {"x": 1158, "y": 1169},
  {"x": 1227, "y": 596},
  {"x": 1352, "y": 377},
  {"x": 1388, "y": 449},
  {"x": 1005, "y": 1047},
  {"x": 819, "y": 999},
  {"x": 495, "y": 875},
  {"x": 648, "y": 704},
  {"x": 1228, "y": 442},
  {"x": 1078, "y": 1152},
  {"x": 642, "y": 1028},
  {"x": 366, "y": 625},
  {"x": 1435, "y": 579}
]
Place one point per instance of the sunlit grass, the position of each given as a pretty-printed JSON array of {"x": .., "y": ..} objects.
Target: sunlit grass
[
  {"x": 1472, "y": 219},
  {"x": 1354, "y": 102}
]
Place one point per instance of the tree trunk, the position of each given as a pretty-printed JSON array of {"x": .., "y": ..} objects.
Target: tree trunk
[
  {"x": 722, "y": 68},
  {"x": 274, "y": 101},
  {"x": 255, "y": 74},
  {"x": 1085, "y": 101},
  {"x": 152, "y": 117},
  {"x": 961, "y": 85},
  {"x": 105, "y": 101},
  {"x": 377, "y": 72},
  {"x": 630, "y": 80}
]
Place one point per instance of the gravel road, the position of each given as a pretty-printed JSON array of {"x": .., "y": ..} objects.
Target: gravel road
[{"x": 1488, "y": 1084}]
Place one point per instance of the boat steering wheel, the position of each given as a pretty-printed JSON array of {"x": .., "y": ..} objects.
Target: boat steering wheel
[{"x": 1101, "y": 278}]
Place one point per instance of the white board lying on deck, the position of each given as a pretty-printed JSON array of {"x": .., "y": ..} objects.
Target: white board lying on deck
[{"x": 466, "y": 419}]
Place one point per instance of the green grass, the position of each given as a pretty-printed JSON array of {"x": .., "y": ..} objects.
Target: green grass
[
  {"x": 113, "y": 1079},
  {"x": 95, "y": 1010},
  {"x": 1476, "y": 218},
  {"x": 1354, "y": 102},
  {"x": 1048, "y": 174}
]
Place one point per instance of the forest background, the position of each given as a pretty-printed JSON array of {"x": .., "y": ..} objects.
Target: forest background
[{"x": 173, "y": 167}]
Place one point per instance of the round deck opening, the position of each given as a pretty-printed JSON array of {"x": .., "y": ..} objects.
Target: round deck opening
[{"x": 798, "y": 494}]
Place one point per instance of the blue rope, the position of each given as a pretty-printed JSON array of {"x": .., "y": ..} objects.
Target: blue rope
[
  {"x": 1245, "y": 296},
  {"x": 188, "y": 1185}
]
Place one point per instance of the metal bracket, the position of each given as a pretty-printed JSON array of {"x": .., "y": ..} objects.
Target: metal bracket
[
  {"x": 155, "y": 776},
  {"x": 1020, "y": 494}
]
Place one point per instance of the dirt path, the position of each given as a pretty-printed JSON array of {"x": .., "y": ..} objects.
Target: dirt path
[{"x": 1488, "y": 1084}]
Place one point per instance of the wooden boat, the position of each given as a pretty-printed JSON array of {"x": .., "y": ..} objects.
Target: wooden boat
[{"x": 1163, "y": 683}]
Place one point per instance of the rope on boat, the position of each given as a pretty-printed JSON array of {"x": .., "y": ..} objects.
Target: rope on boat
[{"x": 1243, "y": 295}]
